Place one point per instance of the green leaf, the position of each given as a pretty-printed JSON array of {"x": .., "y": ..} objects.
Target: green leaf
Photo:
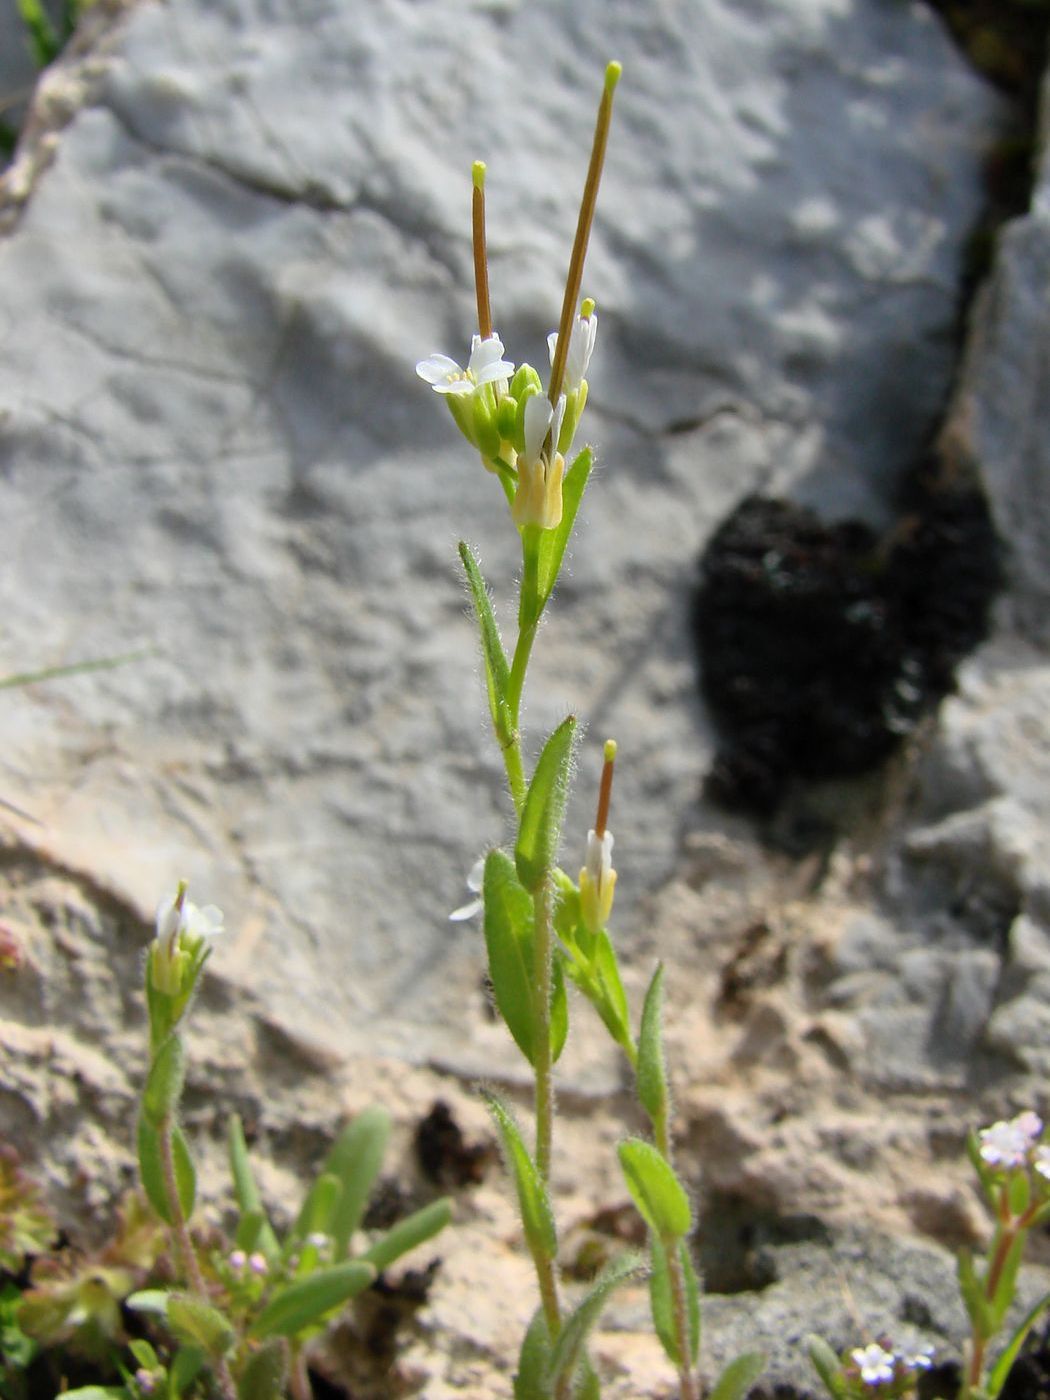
[
  {"x": 414, "y": 1230},
  {"x": 657, "y": 1192},
  {"x": 143, "y": 1353},
  {"x": 661, "y": 1299},
  {"x": 692, "y": 1300},
  {"x": 249, "y": 1228},
  {"x": 508, "y": 939},
  {"x": 264, "y": 1377},
  {"x": 200, "y": 1324},
  {"x": 559, "y": 1009},
  {"x": 568, "y": 1347},
  {"x": 613, "y": 1009},
  {"x": 497, "y": 670},
  {"x": 247, "y": 1194},
  {"x": 652, "y": 1074},
  {"x": 304, "y": 1303},
  {"x": 160, "y": 1098},
  {"x": 973, "y": 1296},
  {"x": 534, "y": 1204},
  {"x": 185, "y": 1368},
  {"x": 1007, "y": 1285},
  {"x": 1005, "y": 1362},
  {"x": 40, "y": 33},
  {"x": 553, "y": 542},
  {"x": 355, "y": 1158},
  {"x": 530, "y": 1382},
  {"x": 1019, "y": 1192},
  {"x": 738, "y": 1376},
  {"x": 151, "y": 1170},
  {"x": 544, "y": 808},
  {"x": 315, "y": 1213},
  {"x": 150, "y": 1300},
  {"x": 588, "y": 1386},
  {"x": 827, "y": 1366}
]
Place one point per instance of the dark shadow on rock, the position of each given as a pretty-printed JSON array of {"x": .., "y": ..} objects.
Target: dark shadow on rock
[{"x": 822, "y": 645}]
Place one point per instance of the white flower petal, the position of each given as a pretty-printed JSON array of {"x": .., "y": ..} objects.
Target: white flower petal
[
  {"x": 486, "y": 360},
  {"x": 536, "y": 418},
  {"x": 435, "y": 369},
  {"x": 466, "y": 911}
]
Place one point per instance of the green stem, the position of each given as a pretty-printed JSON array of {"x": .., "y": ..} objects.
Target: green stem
[
  {"x": 543, "y": 1063},
  {"x": 676, "y": 1275},
  {"x": 1007, "y": 1230},
  {"x": 184, "y": 1248}
]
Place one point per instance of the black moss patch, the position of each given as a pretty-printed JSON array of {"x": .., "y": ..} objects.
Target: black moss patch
[{"x": 821, "y": 646}]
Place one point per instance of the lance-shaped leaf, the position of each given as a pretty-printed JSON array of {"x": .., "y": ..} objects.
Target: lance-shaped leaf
[
  {"x": 497, "y": 670},
  {"x": 614, "y": 1010},
  {"x": 827, "y": 1366},
  {"x": 530, "y": 1382},
  {"x": 265, "y": 1373},
  {"x": 1007, "y": 1284},
  {"x": 559, "y": 1009},
  {"x": 305, "y": 1303},
  {"x": 973, "y": 1296},
  {"x": 249, "y": 1201},
  {"x": 508, "y": 939},
  {"x": 661, "y": 1298},
  {"x": 652, "y": 1073},
  {"x": 186, "y": 1366},
  {"x": 657, "y": 1192},
  {"x": 151, "y": 1171},
  {"x": 415, "y": 1229},
  {"x": 355, "y": 1158},
  {"x": 738, "y": 1376},
  {"x": 201, "y": 1324},
  {"x": 553, "y": 543},
  {"x": 315, "y": 1213},
  {"x": 567, "y": 1352},
  {"x": 1005, "y": 1362},
  {"x": 537, "y": 1218},
  {"x": 541, "y": 816},
  {"x": 164, "y": 1082}
]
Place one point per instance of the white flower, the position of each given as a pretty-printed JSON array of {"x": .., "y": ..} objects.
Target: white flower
[
  {"x": 474, "y": 882},
  {"x": 177, "y": 950},
  {"x": 485, "y": 366},
  {"x": 537, "y": 500},
  {"x": 581, "y": 347},
  {"x": 1008, "y": 1144},
  {"x": 177, "y": 915},
  {"x": 1042, "y": 1161},
  {"x": 874, "y": 1363},
  {"x": 597, "y": 881}
]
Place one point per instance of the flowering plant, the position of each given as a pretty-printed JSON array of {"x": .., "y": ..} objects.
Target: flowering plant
[
  {"x": 542, "y": 929},
  {"x": 1012, "y": 1162}
]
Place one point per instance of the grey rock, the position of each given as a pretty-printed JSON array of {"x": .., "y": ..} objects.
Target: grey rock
[{"x": 215, "y": 445}]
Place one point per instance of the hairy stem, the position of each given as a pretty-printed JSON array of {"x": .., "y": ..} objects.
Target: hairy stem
[
  {"x": 544, "y": 1068},
  {"x": 184, "y": 1247},
  {"x": 676, "y": 1276}
]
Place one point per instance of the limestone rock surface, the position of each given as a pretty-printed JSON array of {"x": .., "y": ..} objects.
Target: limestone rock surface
[{"x": 231, "y": 230}]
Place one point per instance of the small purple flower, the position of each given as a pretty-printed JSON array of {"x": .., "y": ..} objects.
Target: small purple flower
[
  {"x": 1008, "y": 1144},
  {"x": 257, "y": 1263},
  {"x": 145, "y": 1380},
  {"x": 238, "y": 1259}
]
